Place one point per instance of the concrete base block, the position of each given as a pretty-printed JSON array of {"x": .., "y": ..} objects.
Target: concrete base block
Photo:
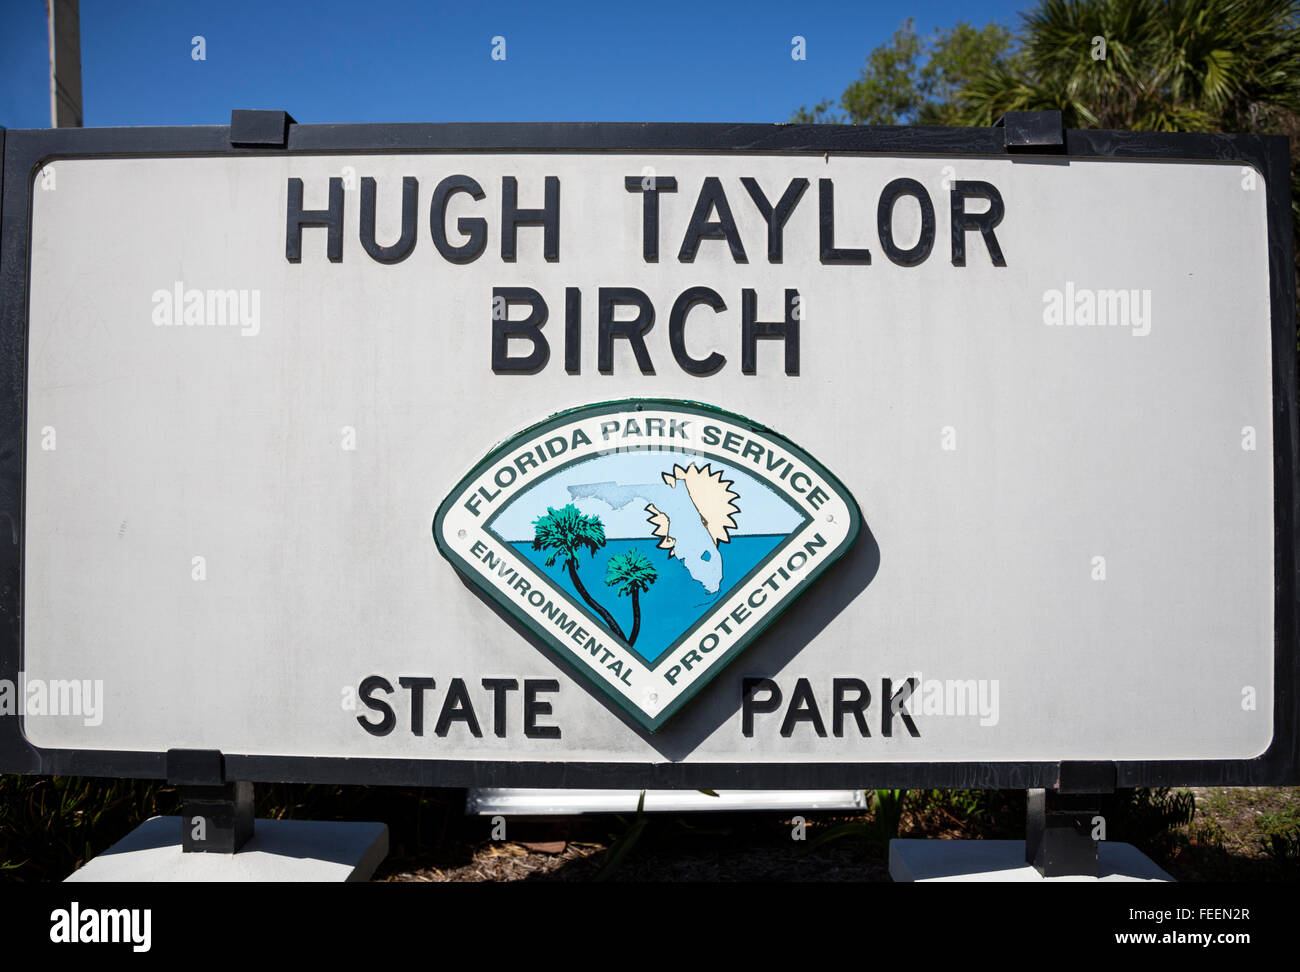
[
  {"x": 1004, "y": 860},
  {"x": 280, "y": 850}
]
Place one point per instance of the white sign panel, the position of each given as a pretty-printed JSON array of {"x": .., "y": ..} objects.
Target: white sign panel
[{"x": 319, "y": 448}]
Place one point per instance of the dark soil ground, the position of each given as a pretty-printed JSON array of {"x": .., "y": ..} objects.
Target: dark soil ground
[
  {"x": 50, "y": 826},
  {"x": 701, "y": 847},
  {"x": 1235, "y": 834}
]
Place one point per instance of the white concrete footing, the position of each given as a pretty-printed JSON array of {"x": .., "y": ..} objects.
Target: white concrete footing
[
  {"x": 1004, "y": 860},
  {"x": 280, "y": 850}
]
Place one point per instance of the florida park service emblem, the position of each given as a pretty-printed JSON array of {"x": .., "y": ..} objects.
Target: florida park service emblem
[{"x": 646, "y": 542}]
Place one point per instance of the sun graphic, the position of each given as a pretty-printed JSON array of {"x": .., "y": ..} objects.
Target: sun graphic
[{"x": 712, "y": 497}]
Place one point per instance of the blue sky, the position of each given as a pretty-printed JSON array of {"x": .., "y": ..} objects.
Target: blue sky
[{"x": 351, "y": 61}]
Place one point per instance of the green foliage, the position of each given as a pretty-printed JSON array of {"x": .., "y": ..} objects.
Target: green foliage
[
  {"x": 887, "y": 814},
  {"x": 968, "y": 803},
  {"x": 624, "y": 842},
  {"x": 889, "y": 88},
  {"x": 878, "y": 829},
  {"x": 567, "y": 532},
  {"x": 909, "y": 80},
  {"x": 964, "y": 807},
  {"x": 1283, "y": 849},
  {"x": 978, "y": 814},
  {"x": 1147, "y": 818},
  {"x": 1275, "y": 822},
  {"x": 958, "y": 55},
  {"x": 630, "y": 572},
  {"x": 1167, "y": 65},
  {"x": 1279, "y": 838},
  {"x": 822, "y": 113},
  {"x": 1207, "y": 832},
  {"x": 50, "y": 826}
]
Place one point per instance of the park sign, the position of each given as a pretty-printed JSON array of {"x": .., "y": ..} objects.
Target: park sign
[{"x": 649, "y": 455}]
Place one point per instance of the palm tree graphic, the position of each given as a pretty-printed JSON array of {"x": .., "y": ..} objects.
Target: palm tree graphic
[
  {"x": 568, "y": 532},
  {"x": 631, "y": 573}
]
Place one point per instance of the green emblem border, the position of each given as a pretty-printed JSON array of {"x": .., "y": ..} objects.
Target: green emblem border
[{"x": 632, "y": 404}]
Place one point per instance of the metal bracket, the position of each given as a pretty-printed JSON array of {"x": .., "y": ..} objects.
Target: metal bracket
[
  {"x": 1059, "y": 822},
  {"x": 216, "y": 819},
  {"x": 216, "y": 814},
  {"x": 1032, "y": 131},
  {"x": 1058, "y": 833},
  {"x": 267, "y": 128}
]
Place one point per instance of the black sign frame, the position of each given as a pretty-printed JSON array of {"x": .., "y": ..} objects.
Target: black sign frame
[{"x": 24, "y": 152}]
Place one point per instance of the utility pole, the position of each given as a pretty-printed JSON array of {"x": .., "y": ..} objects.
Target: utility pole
[{"x": 65, "y": 62}]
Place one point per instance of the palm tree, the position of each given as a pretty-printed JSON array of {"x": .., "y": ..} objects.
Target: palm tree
[
  {"x": 567, "y": 533},
  {"x": 631, "y": 573},
  {"x": 1169, "y": 65}
]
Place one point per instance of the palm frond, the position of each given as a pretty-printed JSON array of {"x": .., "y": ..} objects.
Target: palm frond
[
  {"x": 630, "y": 572},
  {"x": 567, "y": 531}
]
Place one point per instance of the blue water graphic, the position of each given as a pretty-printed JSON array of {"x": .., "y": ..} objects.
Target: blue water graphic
[{"x": 673, "y": 603}]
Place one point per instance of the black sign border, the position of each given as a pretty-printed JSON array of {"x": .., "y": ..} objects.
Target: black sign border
[{"x": 25, "y": 151}]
